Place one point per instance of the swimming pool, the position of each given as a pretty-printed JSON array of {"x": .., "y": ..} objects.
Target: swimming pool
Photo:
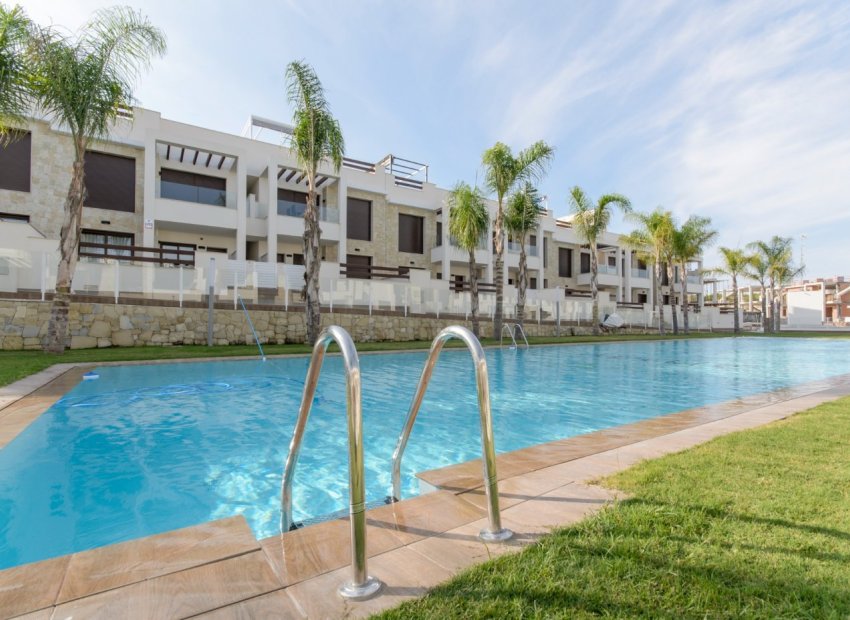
[{"x": 150, "y": 448}]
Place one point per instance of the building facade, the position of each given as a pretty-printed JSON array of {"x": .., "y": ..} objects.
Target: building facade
[{"x": 169, "y": 192}]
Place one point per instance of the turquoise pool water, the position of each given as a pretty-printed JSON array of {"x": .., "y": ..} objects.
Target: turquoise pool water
[{"x": 146, "y": 449}]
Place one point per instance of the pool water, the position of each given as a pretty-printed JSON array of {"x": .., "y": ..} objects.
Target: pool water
[{"x": 149, "y": 448}]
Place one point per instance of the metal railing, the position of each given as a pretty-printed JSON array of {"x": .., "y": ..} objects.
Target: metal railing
[
  {"x": 495, "y": 532},
  {"x": 362, "y": 585},
  {"x": 513, "y": 328}
]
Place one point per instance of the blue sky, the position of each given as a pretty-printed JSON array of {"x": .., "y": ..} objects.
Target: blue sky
[{"x": 739, "y": 111}]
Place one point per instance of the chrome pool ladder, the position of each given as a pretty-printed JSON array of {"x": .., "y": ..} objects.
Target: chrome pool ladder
[
  {"x": 495, "y": 532},
  {"x": 362, "y": 585},
  {"x": 512, "y": 328}
]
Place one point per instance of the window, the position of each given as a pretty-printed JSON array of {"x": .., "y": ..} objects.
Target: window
[
  {"x": 439, "y": 240},
  {"x": 358, "y": 266},
  {"x": 359, "y": 219},
  {"x": 297, "y": 259},
  {"x": 110, "y": 182},
  {"x": 612, "y": 261},
  {"x": 290, "y": 202},
  {"x": 179, "y": 251},
  {"x": 532, "y": 283},
  {"x": 103, "y": 244},
  {"x": 545, "y": 253},
  {"x": 565, "y": 263},
  {"x": 532, "y": 240},
  {"x": 585, "y": 263},
  {"x": 15, "y": 164},
  {"x": 545, "y": 282},
  {"x": 191, "y": 187},
  {"x": 410, "y": 230},
  {"x": 641, "y": 298},
  {"x": 14, "y": 217}
]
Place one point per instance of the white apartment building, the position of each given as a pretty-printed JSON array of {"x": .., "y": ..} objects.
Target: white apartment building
[{"x": 168, "y": 192}]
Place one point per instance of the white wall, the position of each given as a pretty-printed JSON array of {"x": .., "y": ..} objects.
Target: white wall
[{"x": 805, "y": 308}]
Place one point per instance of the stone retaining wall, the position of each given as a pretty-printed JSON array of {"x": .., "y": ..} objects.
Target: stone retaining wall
[{"x": 23, "y": 325}]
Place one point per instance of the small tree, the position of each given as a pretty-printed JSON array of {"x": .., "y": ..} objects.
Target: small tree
[
  {"x": 521, "y": 219},
  {"x": 82, "y": 82},
  {"x": 316, "y": 137},
  {"x": 468, "y": 222},
  {"x": 735, "y": 263},
  {"x": 591, "y": 220},
  {"x": 653, "y": 240},
  {"x": 502, "y": 171},
  {"x": 15, "y": 36},
  {"x": 689, "y": 242},
  {"x": 757, "y": 270}
]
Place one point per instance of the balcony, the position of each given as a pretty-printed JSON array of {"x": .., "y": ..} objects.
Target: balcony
[
  {"x": 458, "y": 255},
  {"x": 296, "y": 209},
  {"x": 640, "y": 274},
  {"x": 514, "y": 248},
  {"x": 607, "y": 277}
]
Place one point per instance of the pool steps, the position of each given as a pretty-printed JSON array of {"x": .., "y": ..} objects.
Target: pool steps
[{"x": 362, "y": 585}]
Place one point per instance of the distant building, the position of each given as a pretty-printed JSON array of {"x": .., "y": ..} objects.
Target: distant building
[{"x": 817, "y": 302}]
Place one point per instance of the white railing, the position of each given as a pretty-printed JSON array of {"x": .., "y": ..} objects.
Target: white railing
[
  {"x": 640, "y": 273},
  {"x": 34, "y": 274},
  {"x": 514, "y": 248}
]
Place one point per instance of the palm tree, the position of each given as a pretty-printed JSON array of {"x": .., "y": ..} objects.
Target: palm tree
[
  {"x": 502, "y": 171},
  {"x": 316, "y": 137},
  {"x": 690, "y": 241},
  {"x": 652, "y": 240},
  {"x": 82, "y": 82},
  {"x": 758, "y": 270},
  {"x": 735, "y": 263},
  {"x": 15, "y": 31},
  {"x": 468, "y": 222},
  {"x": 521, "y": 219},
  {"x": 591, "y": 220}
]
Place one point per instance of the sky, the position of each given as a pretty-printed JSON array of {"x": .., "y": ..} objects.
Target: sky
[{"x": 738, "y": 111}]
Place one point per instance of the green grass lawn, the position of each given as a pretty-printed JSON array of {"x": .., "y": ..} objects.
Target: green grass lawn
[
  {"x": 16, "y": 365},
  {"x": 751, "y": 525}
]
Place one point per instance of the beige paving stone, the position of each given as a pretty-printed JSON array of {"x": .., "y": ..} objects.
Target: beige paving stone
[
  {"x": 563, "y": 506},
  {"x": 181, "y": 594},
  {"x": 105, "y": 568},
  {"x": 31, "y": 587},
  {"x": 404, "y": 573},
  {"x": 321, "y": 548},
  {"x": 425, "y": 515},
  {"x": 277, "y": 605}
]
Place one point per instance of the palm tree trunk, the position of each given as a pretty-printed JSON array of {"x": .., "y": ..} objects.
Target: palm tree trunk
[
  {"x": 672, "y": 286},
  {"x": 522, "y": 284},
  {"x": 764, "y": 320},
  {"x": 777, "y": 314},
  {"x": 499, "y": 269},
  {"x": 473, "y": 294},
  {"x": 682, "y": 269},
  {"x": 659, "y": 301},
  {"x": 594, "y": 288},
  {"x": 69, "y": 241},
  {"x": 312, "y": 264},
  {"x": 770, "y": 300},
  {"x": 736, "y": 321}
]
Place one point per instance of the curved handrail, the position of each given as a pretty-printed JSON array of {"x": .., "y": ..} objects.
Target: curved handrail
[
  {"x": 518, "y": 326},
  {"x": 507, "y": 326},
  {"x": 362, "y": 585},
  {"x": 488, "y": 450}
]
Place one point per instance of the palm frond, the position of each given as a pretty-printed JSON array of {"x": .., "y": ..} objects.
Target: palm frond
[
  {"x": 523, "y": 211},
  {"x": 316, "y": 135},
  {"x": 468, "y": 216},
  {"x": 84, "y": 80},
  {"x": 15, "y": 35},
  {"x": 532, "y": 162}
]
